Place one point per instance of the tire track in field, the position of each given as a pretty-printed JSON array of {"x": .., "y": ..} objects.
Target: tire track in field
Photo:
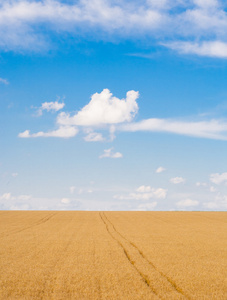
[
  {"x": 159, "y": 283},
  {"x": 39, "y": 222},
  {"x": 111, "y": 233}
]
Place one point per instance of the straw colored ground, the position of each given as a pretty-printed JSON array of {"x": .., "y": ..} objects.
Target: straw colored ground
[{"x": 113, "y": 255}]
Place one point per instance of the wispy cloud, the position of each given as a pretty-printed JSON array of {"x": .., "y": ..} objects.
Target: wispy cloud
[
  {"x": 108, "y": 153},
  {"x": 187, "y": 203},
  {"x": 61, "y": 132},
  {"x": 30, "y": 24},
  {"x": 50, "y": 106},
  {"x": 4, "y": 81},
  {"x": 205, "y": 48},
  {"x": 213, "y": 129},
  {"x": 177, "y": 180},
  {"x": 94, "y": 137},
  {"x": 144, "y": 193},
  {"x": 160, "y": 170}
]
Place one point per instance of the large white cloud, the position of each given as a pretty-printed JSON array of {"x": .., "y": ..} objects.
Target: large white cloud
[
  {"x": 103, "y": 109},
  {"x": 29, "y": 24}
]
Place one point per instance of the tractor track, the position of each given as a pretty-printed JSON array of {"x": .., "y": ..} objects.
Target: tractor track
[
  {"x": 37, "y": 223},
  {"x": 159, "y": 283}
]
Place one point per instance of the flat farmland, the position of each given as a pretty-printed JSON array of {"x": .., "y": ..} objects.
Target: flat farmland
[{"x": 113, "y": 255}]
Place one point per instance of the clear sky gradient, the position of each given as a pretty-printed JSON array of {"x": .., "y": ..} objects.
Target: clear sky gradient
[{"x": 113, "y": 105}]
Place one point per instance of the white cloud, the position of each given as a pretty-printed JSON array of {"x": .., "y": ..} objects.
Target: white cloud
[
  {"x": 24, "y": 197},
  {"x": 187, "y": 203},
  {"x": 212, "y": 189},
  {"x": 213, "y": 129},
  {"x": 6, "y": 196},
  {"x": 103, "y": 109},
  {"x": 4, "y": 81},
  {"x": 201, "y": 183},
  {"x": 94, "y": 137},
  {"x": 218, "y": 178},
  {"x": 205, "y": 48},
  {"x": 72, "y": 189},
  {"x": 50, "y": 106},
  {"x": 144, "y": 193},
  {"x": 160, "y": 170},
  {"x": 177, "y": 180},
  {"x": 147, "y": 206},
  {"x": 143, "y": 189},
  {"x": 61, "y": 132},
  {"x": 14, "y": 174},
  {"x": 109, "y": 153},
  {"x": 28, "y": 202},
  {"x": 29, "y": 24},
  {"x": 10, "y": 197},
  {"x": 65, "y": 200},
  {"x": 219, "y": 203},
  {"x": 114, "y": 114}
]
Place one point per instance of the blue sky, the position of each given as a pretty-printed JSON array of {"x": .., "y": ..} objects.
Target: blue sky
[{"x": 113, "y": 105}]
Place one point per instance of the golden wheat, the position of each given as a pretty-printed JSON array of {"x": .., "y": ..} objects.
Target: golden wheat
[{"x": 113, "y": 255}]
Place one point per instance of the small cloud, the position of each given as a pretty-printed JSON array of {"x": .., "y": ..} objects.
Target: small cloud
[
  {"x": 61, "y": 132},
  {"x": 109, "y": 153},
  {"x": 160, "y": 170},
  {"x": 72, "y": 189},
  {"x": 14, "y": 174},
  {"x": 212, "y": 189},
  {"x": 143, "y": 189},
  {"x": 147, "y": 206},
  {"x": 201, "y": 183},
  {"x": 50, "y": 106},
  {"x": 4, "y": 81},
  {"x": 94, "y": 137},
  {"x": 177, "y": 180},
  {"x": 144, "y": 193},
  {"x": 187, "y": 203},
  {"x": 218, "y": 178},
  {"x": 65, "y": 201},
  {"x": 6, "y": 196}
]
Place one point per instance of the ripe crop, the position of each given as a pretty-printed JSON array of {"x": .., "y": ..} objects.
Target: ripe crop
[{"x": 113, "y": 255}]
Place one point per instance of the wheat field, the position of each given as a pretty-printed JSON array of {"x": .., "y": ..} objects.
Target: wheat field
[{"x": 113, "y": 255}]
